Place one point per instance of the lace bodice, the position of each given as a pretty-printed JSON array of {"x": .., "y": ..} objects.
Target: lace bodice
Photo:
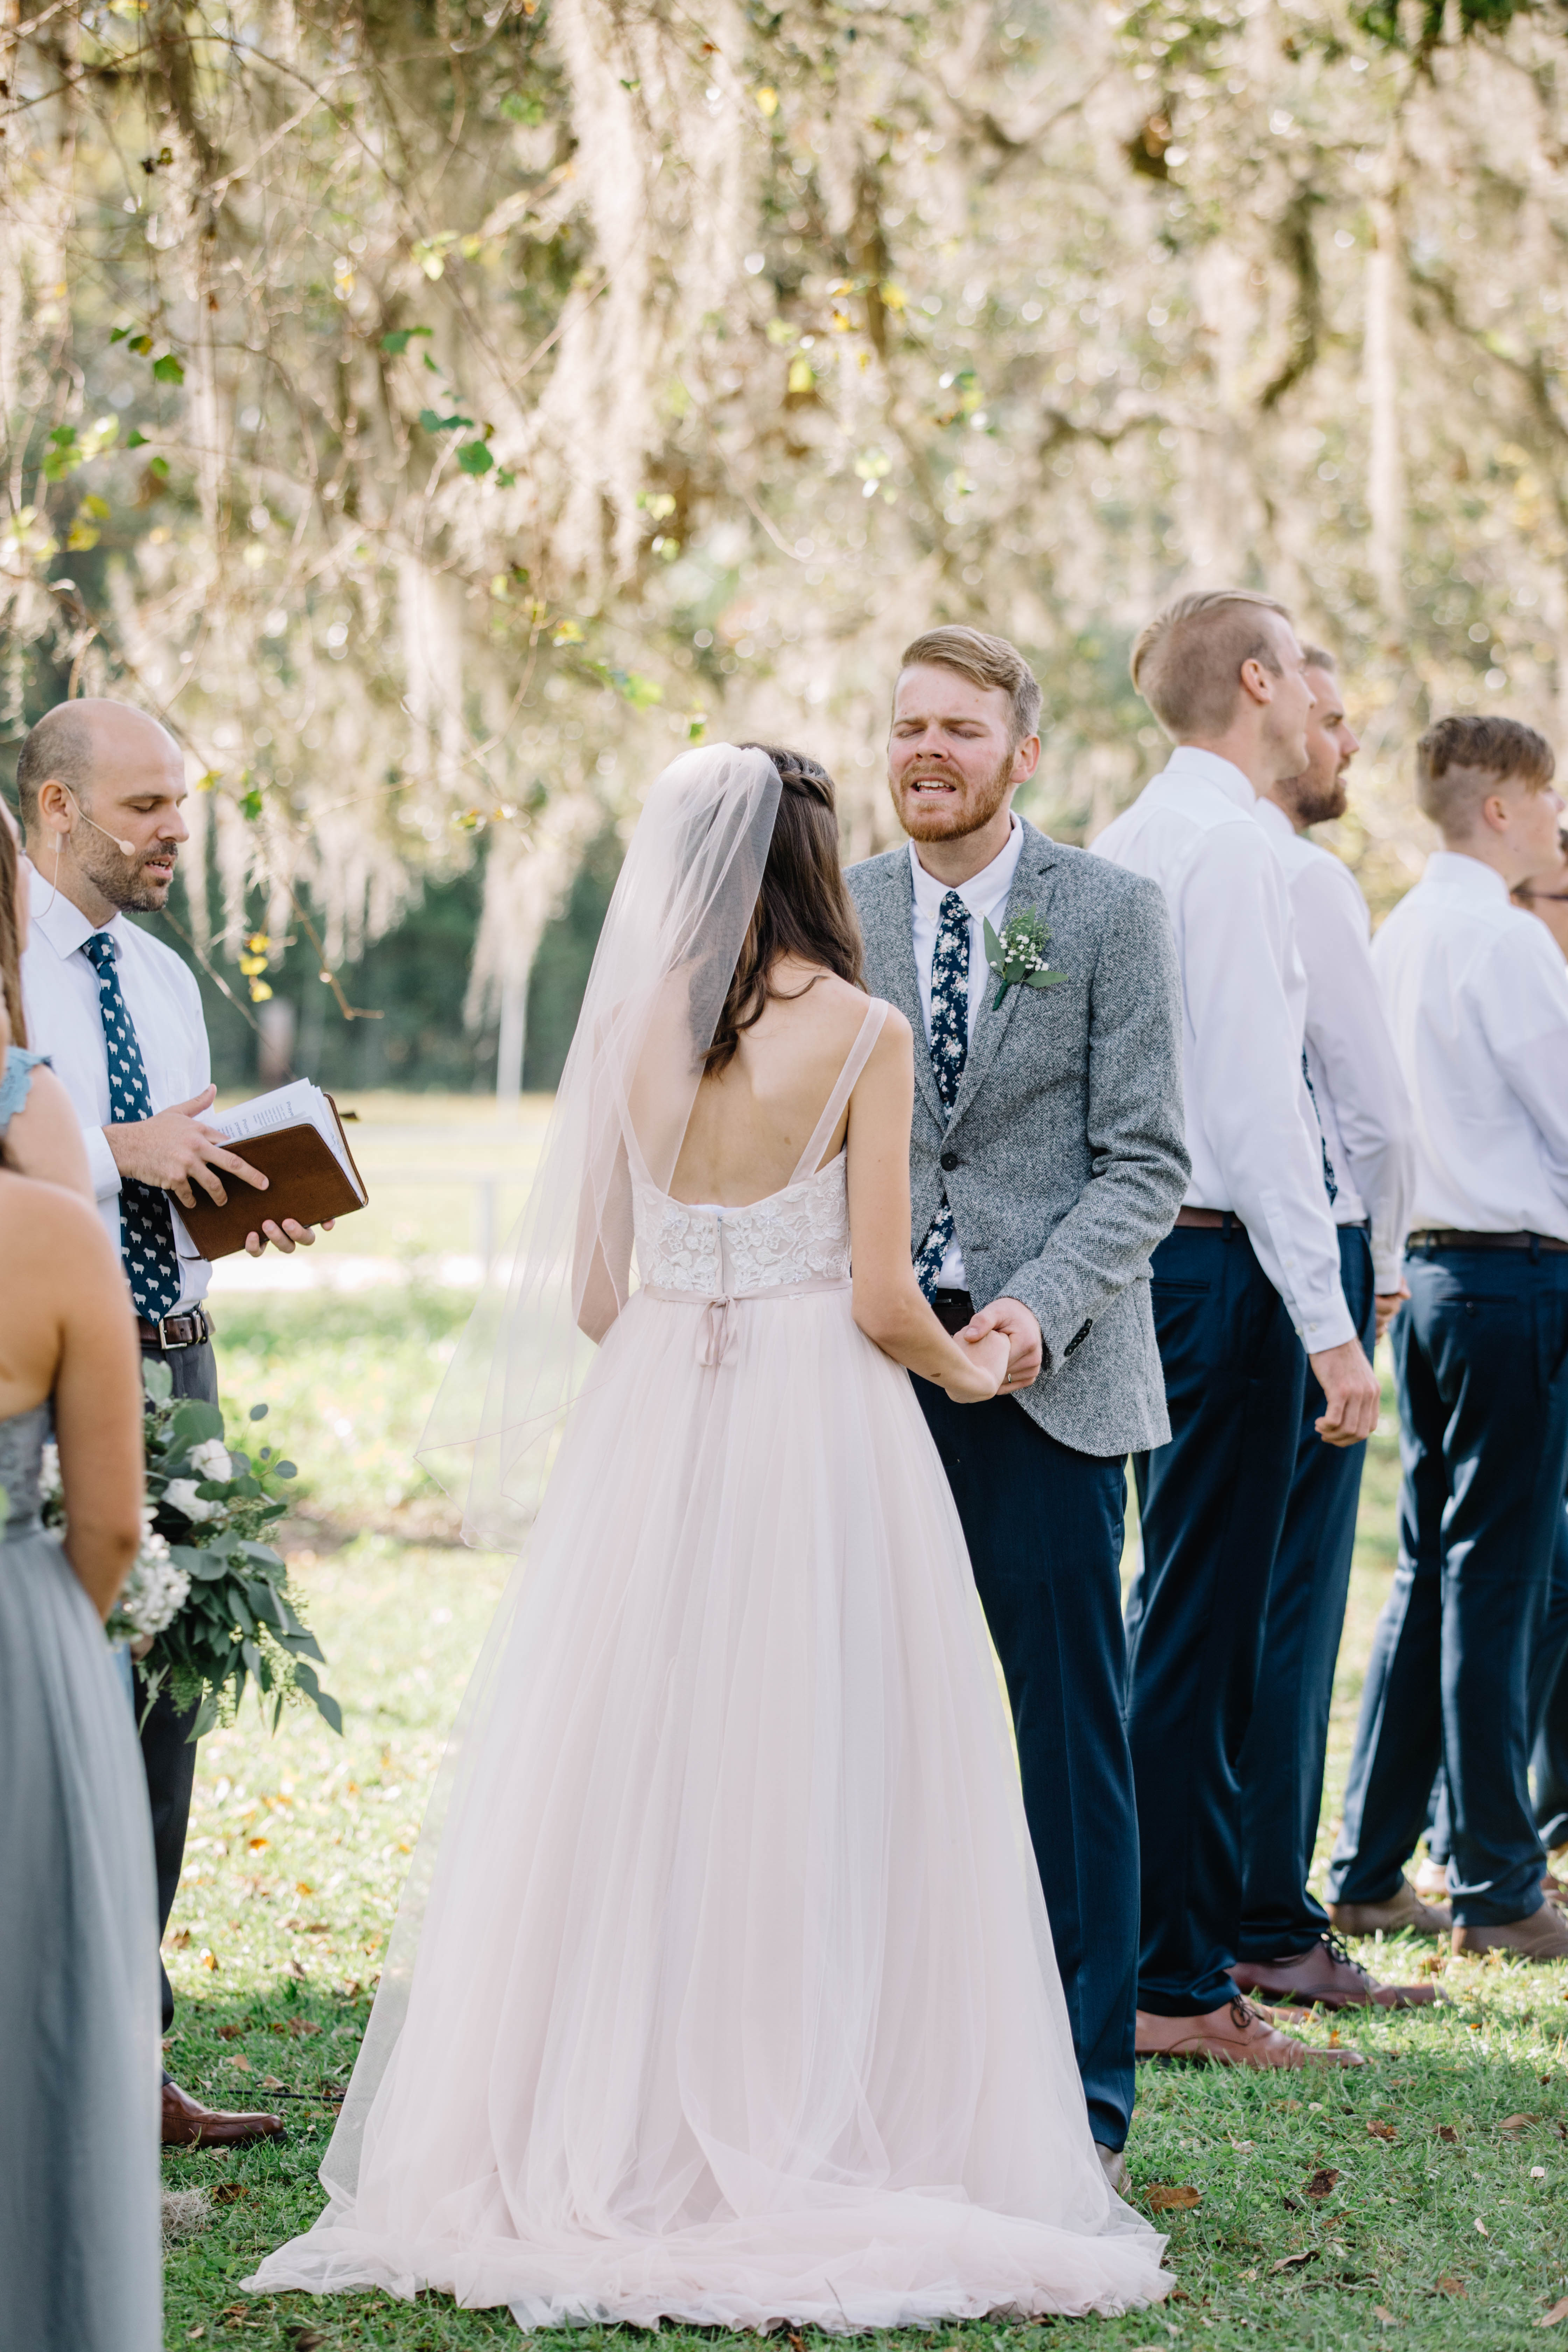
[
  {"x": 801, "y": 1234},
  {"x": 21, "y": 1451}
]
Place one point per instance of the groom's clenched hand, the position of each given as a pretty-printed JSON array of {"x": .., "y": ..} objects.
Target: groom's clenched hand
[
  {"x": 1026, "y": 1349},
  {"x": 1349, "y": 1395}
]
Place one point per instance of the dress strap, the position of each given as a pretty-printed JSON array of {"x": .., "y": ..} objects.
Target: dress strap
[{"x": 843, "y": 1087}]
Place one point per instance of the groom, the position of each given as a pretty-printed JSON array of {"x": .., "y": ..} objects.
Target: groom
[{"x": 1047, "y": 1160}]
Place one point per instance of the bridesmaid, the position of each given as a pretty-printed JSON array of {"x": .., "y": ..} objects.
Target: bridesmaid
[
  {"x": 42, "y": 1138},
  {"x": 79, "y": 2261}
]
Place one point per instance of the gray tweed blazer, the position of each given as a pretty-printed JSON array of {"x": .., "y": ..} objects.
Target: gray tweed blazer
[{"x": 1065, "y": 1157}]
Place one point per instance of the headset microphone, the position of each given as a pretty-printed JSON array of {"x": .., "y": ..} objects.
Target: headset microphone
[{"x": 126, "y": 848}]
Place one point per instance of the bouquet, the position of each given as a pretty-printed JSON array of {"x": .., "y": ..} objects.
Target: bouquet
[{"x": 212, "y": 1597}]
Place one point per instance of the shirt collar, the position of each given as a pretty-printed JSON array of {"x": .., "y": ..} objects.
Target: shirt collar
[
  {"x": 56, "y": 919},
  {"x": 984, "y": 891},
  {"x": 1190, "y": 765},
  {"x": 1458, "y": 877},
  {"x": 1273, "y": 819}
]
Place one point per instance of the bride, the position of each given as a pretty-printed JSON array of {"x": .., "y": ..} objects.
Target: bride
[{"x": 722, "y": 1989}]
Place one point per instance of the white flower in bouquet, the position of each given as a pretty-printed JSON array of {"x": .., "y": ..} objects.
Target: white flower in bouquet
[
  {"x": 49, "y": 1475},
  {"x": 210, "y": 1459},
  {"x": 153, "y": 1594},
  {"x": 182, "y": 1495}
]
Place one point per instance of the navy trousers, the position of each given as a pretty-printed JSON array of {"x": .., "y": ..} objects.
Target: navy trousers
[
  {"x": 1549, "y": 1701},
  {"x": 1213, "y": 1507},
  {"x": 1044, "y": 1527},
  {"x": 1282, "y": 1763},
  {"x": 1481, "y": 1356},
  {"x": 168, "y": 1751}
]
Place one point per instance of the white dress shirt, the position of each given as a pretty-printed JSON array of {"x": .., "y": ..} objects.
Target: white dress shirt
[
  {"x": 1244, "y": 993},
  {"x": 60, "y": 993},
  {"x": 985, "y": 895},
  {"x": 1368, "y": 1120},
  {"x": 1477, "y": 992}
]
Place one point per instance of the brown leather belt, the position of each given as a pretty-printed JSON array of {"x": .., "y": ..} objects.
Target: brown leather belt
[
  {"x": 172, "y": 1332},
  {"x": 1440, "y": 1238},
  {"x": 1211, "y": 1220}
]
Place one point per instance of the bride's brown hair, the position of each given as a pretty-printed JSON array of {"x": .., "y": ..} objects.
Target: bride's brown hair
[{"x": 803, "y": 909}]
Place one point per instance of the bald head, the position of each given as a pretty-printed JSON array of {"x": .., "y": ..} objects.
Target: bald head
[{"x": 101, "y": 785}]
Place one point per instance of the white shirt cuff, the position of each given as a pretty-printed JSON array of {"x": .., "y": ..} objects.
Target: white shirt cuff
[
  {"x": 101, "y": 1164},
  {"x": 1330, "y": 1327}
]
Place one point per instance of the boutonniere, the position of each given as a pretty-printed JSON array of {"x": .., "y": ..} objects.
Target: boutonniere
[{"x": 1019, "y": 956}]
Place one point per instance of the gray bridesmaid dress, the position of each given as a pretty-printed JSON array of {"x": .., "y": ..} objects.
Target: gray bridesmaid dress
[{"x": 81, "y": 2267}]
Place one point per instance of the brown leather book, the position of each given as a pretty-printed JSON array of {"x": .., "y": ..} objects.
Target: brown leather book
[{"x": 305, "y": 1181}]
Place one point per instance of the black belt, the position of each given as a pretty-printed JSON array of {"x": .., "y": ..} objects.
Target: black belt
[
  {"x": 954, "y": 1309},
  {"x": 171, "y": 1332},
  {"x": 1440, "y": 1238}
]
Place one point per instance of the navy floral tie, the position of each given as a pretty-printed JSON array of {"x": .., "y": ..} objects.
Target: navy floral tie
[
  {"x": 949, "y": 1053},
  {"x": 146, "y": 1233}
]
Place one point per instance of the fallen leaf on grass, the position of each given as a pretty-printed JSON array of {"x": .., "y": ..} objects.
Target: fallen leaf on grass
[
  {"x": 1516, "y": 2122},
  {"x": 1445, "y": 2131},
  {"x": 1379, "y": 2312},
  {"x": 1162, "y": 2196},
  {"x": 292, "y": 2025},
  {"x": 273, "y": 2082},
  {"x": 257, "y": 1844},
  {"x": 1382, "y": 2131},
  {"x": 1483, "y": 2229},
  {"x": 1538, "y": 2172},
  {"x": 306, "y": 2340},
  {"x": 229, "y": 2032},
  {"x": 1452, "y": 2286},
  {"x": 209, "y": 1960},
  {"x": 1321, "y": 2183},
  {"x": 1294, "y": 2262},
  {"x": 1558, "y": 2313},
  {"x": 229, "y": 2192},
  {"x": 180, "y": 1940},
  {"x": 240, "y": 2063}
]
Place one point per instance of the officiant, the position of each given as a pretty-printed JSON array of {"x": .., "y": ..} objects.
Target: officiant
[{"x": 120, "y": 1017}]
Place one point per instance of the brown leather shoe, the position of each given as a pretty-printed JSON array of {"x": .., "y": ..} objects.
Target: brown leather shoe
[
  {"x": 1325, "y": 1977},
  {"x": 187, "y": 2124},
  {"x": 1403, "y": 1914},
  {"x": 1113, "y": 2164},
  {"x": 1237, "y": 2035},
  {"x": 1542, "y": 1936}
]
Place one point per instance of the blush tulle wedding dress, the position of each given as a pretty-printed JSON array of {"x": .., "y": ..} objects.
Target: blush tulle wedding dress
[{"x": 733, "y": 2000}]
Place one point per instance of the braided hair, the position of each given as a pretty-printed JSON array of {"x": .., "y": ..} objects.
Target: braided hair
[{"x": 803, "y": 909}]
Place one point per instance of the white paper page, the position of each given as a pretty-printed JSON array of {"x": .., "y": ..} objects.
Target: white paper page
[{"x": 300, "y": 1104}]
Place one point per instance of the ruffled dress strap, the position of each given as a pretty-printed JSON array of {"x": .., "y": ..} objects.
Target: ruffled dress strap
[{"x": 16, "y": 1080}]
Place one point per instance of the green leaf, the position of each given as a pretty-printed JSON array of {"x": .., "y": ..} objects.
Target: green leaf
[
  {"x": 250, "y": 804},
  {"x": 326, "y": 1705},
  {"x": 120, "y": 334},
  {"x": 285, "y": 1470},
  {"x": 430, "y": 421},
  {"x": 135, "y": 440},
  {"x": 159, "y": 467},
  {"x": 473, "y": 457},
  {"x": 518, "y": 107},
  {"x": 1045, "y": 979},
  {"x": 992, "y": 945},
  {"x": 262, "y": 1555},
  {"x": 168, "y": 370},
  {"x": 259, "y": 1412},
  {"x": 207, "y": 1716},
  {"x": 142, "y": 343},
  {"x": 193, "y": 1422},
  {"x": 398, "y": 341}
]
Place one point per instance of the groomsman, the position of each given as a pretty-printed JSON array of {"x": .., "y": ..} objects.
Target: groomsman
[
  {"x": 1249, "y": 1278},
  {"x": 1287, "y": 1952},
  {"x": 1478, "y": 993},
  {"x": 120, "y": 1018},
  {"x": 1045, "y": 1161}
]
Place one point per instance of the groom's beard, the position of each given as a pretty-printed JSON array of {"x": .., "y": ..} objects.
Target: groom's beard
[{"x": 950, "y": 817}]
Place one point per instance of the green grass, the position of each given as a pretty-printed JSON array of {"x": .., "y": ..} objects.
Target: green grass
[{"x": 298, "y": 1845}]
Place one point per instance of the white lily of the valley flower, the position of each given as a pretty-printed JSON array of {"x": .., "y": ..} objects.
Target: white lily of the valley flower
[
  {"x": 50, "y": 1473},
  {"x": 210, "y": 1459},
  {"x": 181, "y": 1493}
]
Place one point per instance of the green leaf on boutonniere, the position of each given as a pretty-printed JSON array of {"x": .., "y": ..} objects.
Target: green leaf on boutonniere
[{"x": 1017, "y": 955}]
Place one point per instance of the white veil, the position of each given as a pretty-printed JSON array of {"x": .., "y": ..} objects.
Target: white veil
[{"x": 666, "y": 957}]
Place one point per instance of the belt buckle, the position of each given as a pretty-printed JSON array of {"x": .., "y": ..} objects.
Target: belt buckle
[{"x": 174, "y": 1346}]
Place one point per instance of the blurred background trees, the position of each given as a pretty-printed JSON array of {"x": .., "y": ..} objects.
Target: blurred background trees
[{"x": 441, "y": 413}]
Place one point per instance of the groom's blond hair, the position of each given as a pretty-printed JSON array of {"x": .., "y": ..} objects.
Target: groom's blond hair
[
  {"x": 1186, "y": 663},
  {"x": 984, "y": 661}
]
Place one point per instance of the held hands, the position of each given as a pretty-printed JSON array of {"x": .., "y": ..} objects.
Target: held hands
[
  {"x": 173, "y": 1151},
  {"x": 1026, "y": 1349},
  {"x": 983, "y": 1375},
  {"x": 1349, "y": 1395}
]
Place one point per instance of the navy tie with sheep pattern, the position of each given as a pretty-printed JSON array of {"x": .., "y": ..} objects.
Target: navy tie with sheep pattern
[{"x": 146, "y": 1232}]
